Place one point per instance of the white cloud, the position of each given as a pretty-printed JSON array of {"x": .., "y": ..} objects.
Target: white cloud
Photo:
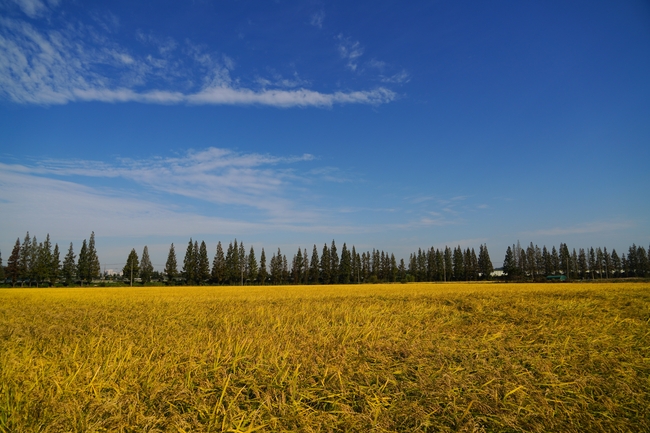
[
  {"x": 350, "y": 51},
  {"x": 217, "y": 176},
  {"x": 71, "y": 64},
  {"x": 32, "y": 8},
  {"x": 398, "y": 78},
  {"x": 590, "y": 227},
  {"x": 317, "y": 19}
]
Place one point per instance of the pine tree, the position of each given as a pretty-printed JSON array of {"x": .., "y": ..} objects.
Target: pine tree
[
  {"x": 69, "y": 270},
  {"x": 484, "y": 262},
  {"x": 263, "y": 273},
  {"x": 555, "y": 261},
  {"x": 459, "y": 268},
  {"x": 591, "y": 260},
  {"x": 94, "y": 268},
  {"x": 242, "y": 262},
  {"x": 219, "y": 265},
  {"x": 616, "y": 264},
  {"x": 345, "y": 266},
  {"x": 189, "y": 262},
  {"x": 393, "y": 269},
  {"x": 252, "y": 267},
  {"x": 55, "y": 266},
  {"x": 82, "y": 263},
  {"x": 401, "y": 271},
  {"x": 13, "y": 264},
  {"x": 448, "y": 269},
  {"x": 2, "y": 271},
  {"x": 334, "y": 267},
  {"x": 131, "y": 268},
  {"x": 203, "y": 269},
  {"x": 25, "y": 257},
  {"x": 314, "y": 266},
  {"x": 296, "y": 267},
  {"x": 146, "y": 268},
  {"x": 508, "y": 264},
  {"x": 305, "y": 267},
  {"x": 582, "y": 263},
  {"x": 171, "y": 267},
  {"x": 325, "y": 266},
  {"x": 196, "y": 256}
]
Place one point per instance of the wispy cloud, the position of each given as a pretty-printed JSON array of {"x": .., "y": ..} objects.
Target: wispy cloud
[
  {"x": 590, "y": 227},
  {"x": 317, "y": 19},
  {"x": 350, "y": 50},
  {"x": 80, "y": 63},
  {"x": 213, "y": 175}
]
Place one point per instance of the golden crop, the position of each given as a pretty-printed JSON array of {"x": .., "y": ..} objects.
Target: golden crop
[{"x": 403, "y": 357}]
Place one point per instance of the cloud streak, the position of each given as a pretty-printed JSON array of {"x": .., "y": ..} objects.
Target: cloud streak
[{"x": 77, "y": 63}]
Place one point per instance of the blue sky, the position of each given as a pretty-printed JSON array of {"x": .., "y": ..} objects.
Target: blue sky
[{"x": 389, "y": 125}]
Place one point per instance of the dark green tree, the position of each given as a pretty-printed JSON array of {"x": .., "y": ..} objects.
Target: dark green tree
[
  {"x": 263, "y": 273},
  {"x": 131, "y": 268},
  {"x": 189, "y": 264},
  {"x": 2, "y": 271},
  {"x": 345, "y": 266},
  {"x": 171, "y": 266},
  {"x": 296, "y": 267},
  {"x": 69, "y": 269},
  {"x": 485, "y": 263},
  {"x": 314, "y": 266},
  {"x": 325, "y": 266},
  {"x": 252, "y": 268},
  {"x": 509, "y": 267},
  {"x": 334, "y": 267},
  {"x": 13, "y": 264},
  {"x": 203, "y": 265},
  {"x": 146, "y": 268},
  {"x": 25, "y": 266},
  {"x": 55, "y": 266},
  {"x": 219, "y": 265},
  {"x": 94, "y": 268},
  {"x": 83, "y": 264}
]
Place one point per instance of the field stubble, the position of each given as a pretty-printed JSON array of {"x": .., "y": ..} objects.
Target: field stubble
[{"x": 415, "y": 357}]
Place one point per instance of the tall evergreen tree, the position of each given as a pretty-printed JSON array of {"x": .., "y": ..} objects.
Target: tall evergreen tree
[
  {"x": 203, "y": 268},
  {"x": 171, "y": 266},
  {"x": 325, "y": 266},
  {"x": 582, "y": 263},
  {"x": 146, "y": 268},
  {"x": 189, "y": 264},
  {"x": 2, "y": 271},
  {"x": 509, "y": 267},
  {"x": 459, "y": 268},
  {"x": 296, "y": 267},
  {"x": 334, "y": 268},
  {"x": 82, "y": 263},
  {"x": 252, "y": 268},
  {"x": 314, "y": 266},
  {"x": 13, "y": 264},
  {"x": 25, "y": 259},
  {"x": 94, "y": 268},
  {"x": 345, "y": 266},
  {"x": 616, "y": 264},
  {"x": 69, "y": 269},
  {"x": 242, "y": 263},
  {"x": 484, "y": 262},
  {"x": 131, "y": 268},
  {"x": 55, "y": 266},
  {"x": 305, "y": 267},
  {"x": 219, "y": 265},
  {"x": 263, "y": 273},
  {"x": 591, "y": 260},
  {"x": 448, "y": 269}
]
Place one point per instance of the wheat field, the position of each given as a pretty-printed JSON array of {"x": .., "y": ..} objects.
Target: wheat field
[{"x": 403, "y": 357}]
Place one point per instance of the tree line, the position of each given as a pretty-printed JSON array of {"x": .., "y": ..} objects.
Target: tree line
[
  {"x": 534, "y": 263},
  {"x": 38, "y": 263}
]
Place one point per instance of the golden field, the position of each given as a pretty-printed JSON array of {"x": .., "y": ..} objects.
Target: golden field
[{"x": 403, "y": 357}]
